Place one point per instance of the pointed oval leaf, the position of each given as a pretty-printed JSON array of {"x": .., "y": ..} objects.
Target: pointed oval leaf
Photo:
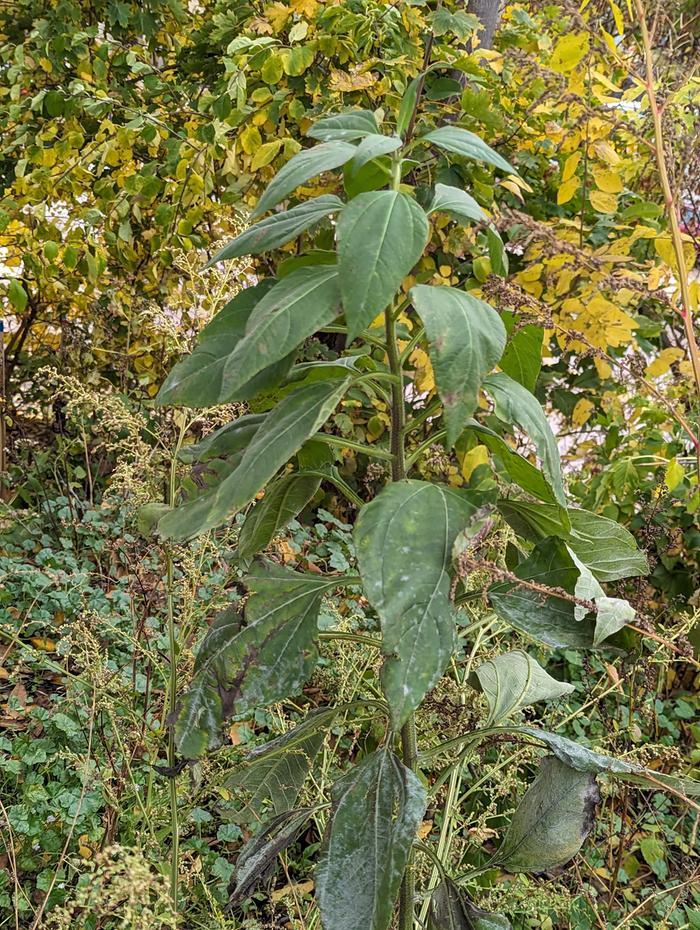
[
  {"x": 295, "y": 308},
  {"x": 458, "y": 203},
  {"x": 372, "y": 147},
  {"x": 404, "y": 540},
  {"x": 281, "y": 503},
  {"x": 381, "y": 236},
  {"x": 466, "y": 338},
  {"x": 229, "y": 440},
  {"x": 514, "y": 680},
  {"x": 278, "y": 229},
  {"x": 552, "y": 820},
  {"x": 377, "y": 809},
  {"x": 516, "y": 405},
  {"x": 465, "y": 143},
  {"x": 286, "y": 428},
  {"x": 345, "y": 127},
  {"x": 301, "y": 168},
  {"x": 522, "y": 358},
  {"x": 451, "y": 909}
]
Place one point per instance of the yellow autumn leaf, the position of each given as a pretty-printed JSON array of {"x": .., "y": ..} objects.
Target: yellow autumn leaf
[
  {"x": 42, "y": 643},
  {"x": 606, "y": 152},
  {"x": 569, "y": 51},
  {"x": 582, "y": 411},
  {"x": 603, "y": 368},
  {"x": 277, "y": 15},
  {"x": 617, "y": 16},
  {"x": 567, "y": 190},
  {"x": 603, "y": 202},
  {"x": 570, "y": 166},
  {"x": 265, "y": 154},
  {"x": 512, "y": 187},
  {"x": 424, "y": 377},
  {"x": 663, "y": 361},
  {"x": 479, "y": 455},
  {"x": 250, "y": 140},
  {"x": 674, "y": 474},
  {"x": 305, "y": 7},
  {"x": 348, "y": 81},
  {"x": 665, "y": 249},
  {"x": 608, "y": 181}
]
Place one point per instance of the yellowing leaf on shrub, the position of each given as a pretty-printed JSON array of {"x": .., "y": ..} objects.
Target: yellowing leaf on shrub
[
  {"x": 265, "y": 154},
  {"x": 355, "y": 79},
  {"x": 424, "y": 377},
  {"x": 479, "y": 455},
  {"x": 674, "y": 474},
  {"x": 665, "y": 250},
  {"x": 567, "y": 190},
  {"x": 296, "y": 61},
  {"x": 250, "y": 140},
  {"x": 606, "y": 152},
  {"x": 42, "y": 643},
  {"x": 570, "y": 166},
  {"x": 305, "y": 7},
  {"x": 602, "y": 202},
  {"x": 569, "y": 51},
  {"x": 662, "y": 363},
  {"x": 617, "y": 16},
  {"x": 512, "y": 187},
  {"x": 607, "y": 180},
  {"x": 582, "y": 411}
]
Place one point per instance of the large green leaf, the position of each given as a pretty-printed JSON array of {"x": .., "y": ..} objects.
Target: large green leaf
[
  {"x": 197, "y": 380},
  {"x": 466, "y": 338},
  {"x": 451, "y": 909},
  {"x": 229, "y": 440},
  {"x": 282, "y": 502},
  {"x": 372, "y": 147},
  {"x": 547, "y": 618},
  {"x": 552, "y": 820},
  {"x": 522, "y": 358},
  {"x": 404, "y": 540},
  {"x": 514, "y": 680},
  {"x": 276, "y": 771},
  {"x": 516, "y": 405},
  {"x": 300, "y": 168},
  {"x": 462, "y": 142},
  {"x": 377, "y": 808},
  {"x": 381, "y": 236},
  {"x": 586, "y": 760},
  {"x": 257, "y": 857},
  {"x": 286, "y": 428},
  {"x": 526, "y": 475},
  {"x": 239, "y": 667},
  {"x": 347, "y": 126},
  {"x": 279, "y": 228},
  {"x": 295, "y": 308},
  {"x": 458, "y": 203}
]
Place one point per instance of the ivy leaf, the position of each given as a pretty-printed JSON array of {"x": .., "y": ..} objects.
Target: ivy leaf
[
  {"x": 466, "y": 338},
  {"x": 345, "y": 127},
  {"x": 286, "y": 428},
  {"x": 377, "y": 809},
  {"x": 552, "y": 820},
  {"x": 547, "y": 618},
  {"x": 229, "y": 440},
  {"x": 404, "y": 540},
  {"x": 278, "y": 229},
  {"x": 465, "y": 143},
  {"x": 516, "y": 405},
  {"x": 301, "y": 168},
  {"x": 277, "y": 770},
  {"x": 458, "y": 203},
  {"x": 197, "y": 380},
  {"x": 514, "y": 680},
  {"x": 522, "y": 358},
  {"x": 451, "y": 909},
  {"x": 295, "y": 308},
  {"x": 257, "y": 857},
  {"x": 381, "y": 236},
  {"x": 281, "y": 503},
  {"x": 240, "y": 667}
]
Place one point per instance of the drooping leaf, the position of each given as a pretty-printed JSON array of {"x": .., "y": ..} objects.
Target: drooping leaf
[
  {"x": 279, "y": 228},
  {"x": 514, "y": 680},
  {"x": 546, "y": 617},
  {"x": 377, "y": 808},
  {"x": 497, "y": 252},
  {"x": 586, "y": 760},
  {"x": 552, "y": 820},
  {"x": 344, "y": 127},
  {"x": 282, "y": 502},
  {"x": 381, "y": 235},
  {"x": 256, "y": 860},
  {"x": 227, "y": 441},
  {"x": 612, "y": 613},
  {"x": 240, "y": 667},
  {"x": 276, "y": 771},
  {"x": 372, "y": 147},
  {"x": 196, "y": 381},
  {"x": 466, "y": 338},
  {"x": 516, "y": 405},
  {"x": 458, "y": 203},
  {"x": 296, "y": 307},
  {"x": 404, "y": 540},
  {"x": 301, "y": 168},
  {"x": 451, "y": 909},
  {"x": 465, "y": 143},
  {"x": 522, "y": 358},
  {"x": 286, "y": 428}
]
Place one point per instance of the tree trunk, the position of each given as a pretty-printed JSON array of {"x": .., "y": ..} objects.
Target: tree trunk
[{"x": 489, "y": 15}]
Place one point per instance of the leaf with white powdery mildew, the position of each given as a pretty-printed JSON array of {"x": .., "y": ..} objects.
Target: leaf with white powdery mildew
[
  {"x": 451, "y": 909},
  {"x": 514, "y": 680}
]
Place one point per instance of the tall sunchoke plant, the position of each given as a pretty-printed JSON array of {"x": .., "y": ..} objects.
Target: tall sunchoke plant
[{"x": 418, "y": 542}]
